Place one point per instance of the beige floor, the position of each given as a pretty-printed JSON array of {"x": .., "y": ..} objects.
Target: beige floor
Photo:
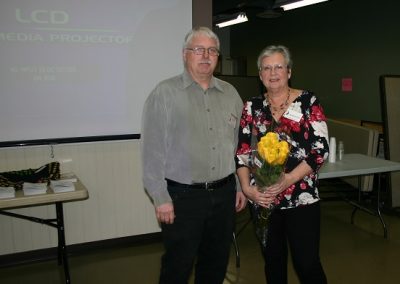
[{"x": 350, "y": 253}]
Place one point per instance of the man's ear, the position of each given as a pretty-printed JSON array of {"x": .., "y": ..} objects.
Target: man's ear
[{"x": 184, "y": 55}]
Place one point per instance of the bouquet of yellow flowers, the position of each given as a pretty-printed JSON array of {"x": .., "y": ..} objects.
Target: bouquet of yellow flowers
[{"x": 268, "y": 167}]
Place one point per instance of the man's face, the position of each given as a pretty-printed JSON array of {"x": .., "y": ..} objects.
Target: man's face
[{"x": 199, "y": 65}]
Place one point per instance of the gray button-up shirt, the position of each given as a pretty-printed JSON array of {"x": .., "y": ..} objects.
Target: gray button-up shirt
[{"x": 188, "y": 135}]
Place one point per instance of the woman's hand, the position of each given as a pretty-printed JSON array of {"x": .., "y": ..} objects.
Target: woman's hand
[
  {"x": 287, "y": 179},
  {"x": 278, "y": 187},
  {"x": 257, "y": 195},
  {"x": 241, "y": 201}
]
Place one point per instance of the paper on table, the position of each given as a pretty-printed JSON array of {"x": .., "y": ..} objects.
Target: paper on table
[
  {"x": 34, "y": 188},
  {"x": 69, "y": 177},
  {"x": 7, "y": 192},
  {"x": 62, "y": 186}
]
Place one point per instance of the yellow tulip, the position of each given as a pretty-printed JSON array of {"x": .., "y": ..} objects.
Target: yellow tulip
[
  {"x": 262, "y": 152},
  {"x": 269, "y": 139},
  {"x": 283, "y": 152},
  {"x": 281, "y": 159},
  {"x": 272, "y": 150},
  {"x": 272, "y": 154}
]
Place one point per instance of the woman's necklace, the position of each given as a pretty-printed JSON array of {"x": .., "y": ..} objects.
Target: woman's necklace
[{"x": 281, "y": 107}]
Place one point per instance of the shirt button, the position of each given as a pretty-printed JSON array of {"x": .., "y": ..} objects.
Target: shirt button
[
  {"x": 211, "y": 129},
  {"x": 213, "y": 148},
  {"x": 213, "y": 168},
  {"x": 208, "y": 110}
]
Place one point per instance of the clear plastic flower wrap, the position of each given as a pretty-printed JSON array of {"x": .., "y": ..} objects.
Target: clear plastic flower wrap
[{"x": 267, "y": 167}]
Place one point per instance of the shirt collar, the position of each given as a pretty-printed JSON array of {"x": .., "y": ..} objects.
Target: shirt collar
[{"x": 188, "y": 81}]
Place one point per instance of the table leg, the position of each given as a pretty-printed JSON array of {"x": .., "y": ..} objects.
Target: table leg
[
  {"x": 56, "y": 223},
  {"x": 378, "y": 206},
  {"x": 62, "y": 249},
  {"x": 357, "y": 205}
]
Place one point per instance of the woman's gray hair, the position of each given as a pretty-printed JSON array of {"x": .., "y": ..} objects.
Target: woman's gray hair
[
  {"x": 200, "y": 31},
  {"x": 272, "y": 49}
]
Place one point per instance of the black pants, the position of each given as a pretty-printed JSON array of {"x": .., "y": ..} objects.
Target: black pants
[
  {"x": 201, "y": 232},
  {"x": 300, "y": 228}
]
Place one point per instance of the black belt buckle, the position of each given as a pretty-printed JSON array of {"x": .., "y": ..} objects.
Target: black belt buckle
[{"x": 208, "y": 186}]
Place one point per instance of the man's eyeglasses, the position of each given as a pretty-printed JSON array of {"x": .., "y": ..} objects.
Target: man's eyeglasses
[
  {"x": 212, "y": 51},
  {"x": 276, "y": 68}
]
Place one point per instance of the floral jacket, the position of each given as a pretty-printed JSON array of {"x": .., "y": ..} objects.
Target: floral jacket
[{"x": 309, "y": 142}]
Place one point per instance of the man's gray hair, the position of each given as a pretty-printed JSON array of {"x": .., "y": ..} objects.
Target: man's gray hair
[{"x": 200, "y": 31}]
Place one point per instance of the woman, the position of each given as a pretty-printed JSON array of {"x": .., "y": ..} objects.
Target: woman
[{"x": 295, "y": 219}]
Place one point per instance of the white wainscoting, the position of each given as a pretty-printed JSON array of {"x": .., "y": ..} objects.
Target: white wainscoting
[{"x": 117, "y": 206}]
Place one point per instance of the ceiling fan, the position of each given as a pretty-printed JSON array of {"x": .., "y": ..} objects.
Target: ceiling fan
[
  {"x": 267, "y": 9},
  {"x": 259, "y": 8}
]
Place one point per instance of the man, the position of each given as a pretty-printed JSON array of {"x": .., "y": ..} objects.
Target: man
[{"x": 189, "y": 135}]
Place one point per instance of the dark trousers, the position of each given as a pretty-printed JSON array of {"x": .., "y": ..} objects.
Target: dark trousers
[
  {"x": 201, "y": 233},
  {"x": 300, "y": 228}
]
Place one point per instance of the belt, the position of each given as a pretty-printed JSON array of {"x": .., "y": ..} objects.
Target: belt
[{"x": 204, "y": 185}]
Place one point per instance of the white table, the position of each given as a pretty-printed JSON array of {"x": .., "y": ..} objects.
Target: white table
[
  {"x": 359, "y": 165},
  {"x": 20, "y": 200}
]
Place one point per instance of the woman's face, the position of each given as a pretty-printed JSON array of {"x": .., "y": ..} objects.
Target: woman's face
[{"x": 274, "y": 72}]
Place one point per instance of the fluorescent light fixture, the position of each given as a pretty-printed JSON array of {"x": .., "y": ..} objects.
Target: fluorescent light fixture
[
  {"x": 302, "y": 3},
  {"x": 240, "y": 18}
]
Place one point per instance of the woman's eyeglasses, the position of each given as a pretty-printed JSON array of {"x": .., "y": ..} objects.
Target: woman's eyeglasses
[{"x": 276, "y": 68}]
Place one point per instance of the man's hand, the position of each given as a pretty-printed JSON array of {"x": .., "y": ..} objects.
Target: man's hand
[{"x": 165, "y": 213}]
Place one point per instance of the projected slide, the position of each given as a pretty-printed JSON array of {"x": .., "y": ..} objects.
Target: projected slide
[{"x": 83, "y": 68}]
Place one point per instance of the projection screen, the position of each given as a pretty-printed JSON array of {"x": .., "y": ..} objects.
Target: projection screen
[{"x": 83, "y": 68}]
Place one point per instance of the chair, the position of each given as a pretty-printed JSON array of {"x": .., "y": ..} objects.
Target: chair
[
  {"x": 235, "y": 234},
  {"x": 237, "y": 253}
]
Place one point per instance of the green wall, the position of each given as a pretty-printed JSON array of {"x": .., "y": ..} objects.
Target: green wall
[{"x": 331, "y": 41}]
